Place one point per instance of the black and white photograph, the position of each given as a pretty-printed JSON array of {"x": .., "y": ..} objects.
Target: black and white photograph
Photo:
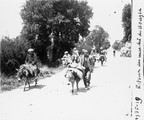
[{"x": 71, "y": 59}]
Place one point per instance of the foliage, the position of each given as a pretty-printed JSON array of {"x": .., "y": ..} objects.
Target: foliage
[
  {"x": 98, "y": 38},
  {"x": 126, "y": 19},
  {"x": 65, "y": 20},
  {"x": 117, "y": 45},
  {"x": 12, "y": 54},
  {"x": 81, "y": 46}
]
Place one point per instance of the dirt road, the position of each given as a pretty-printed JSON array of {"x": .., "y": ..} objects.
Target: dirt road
[{"x": 108, "y": 98}]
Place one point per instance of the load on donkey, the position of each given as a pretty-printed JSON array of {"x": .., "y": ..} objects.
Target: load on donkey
[{"x": 29, "y": 70}]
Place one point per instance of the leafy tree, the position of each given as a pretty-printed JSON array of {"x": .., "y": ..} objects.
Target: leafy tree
[
  {"x": 83, "y": 45},
  {"x": 36, "y": 15},
  {"x": 65, "y": 20},
  {"x": 117, "y": 45},
  {"x": 98, "y": 38},
  {"x": 126, "y": 19}
]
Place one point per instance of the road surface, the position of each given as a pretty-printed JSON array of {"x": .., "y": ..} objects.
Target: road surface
[{"x": 109, "y": 97}]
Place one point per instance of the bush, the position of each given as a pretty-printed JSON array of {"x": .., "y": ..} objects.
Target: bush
[
  {"x": 84, "y": 46},
  {"x": 12, "y": 54}
]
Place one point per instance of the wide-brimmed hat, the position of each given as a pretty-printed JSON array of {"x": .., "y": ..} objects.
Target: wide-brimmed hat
[{"x": 30, "y": 50}]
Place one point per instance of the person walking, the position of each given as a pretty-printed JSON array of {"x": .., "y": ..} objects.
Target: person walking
[{"x": 85, "y": 62}]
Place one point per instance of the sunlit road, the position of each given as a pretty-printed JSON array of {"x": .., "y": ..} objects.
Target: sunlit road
[{"x": 108, "y": 98}]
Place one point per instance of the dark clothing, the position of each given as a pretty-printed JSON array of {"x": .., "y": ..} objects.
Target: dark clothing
[
  {"x": 86, "y": 64},
  {"x": 31, "y": 59},
  {"x": 86, "y": 81}
]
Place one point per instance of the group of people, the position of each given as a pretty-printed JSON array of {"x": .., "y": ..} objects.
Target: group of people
[
  {"x": 85, "y": 60},
  {"x": 84, "y": 55}
]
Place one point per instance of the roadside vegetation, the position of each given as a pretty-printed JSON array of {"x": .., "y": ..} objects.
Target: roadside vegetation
[
  {"x": 124, "y": 45},
  {"x": 9, "y": 83}
]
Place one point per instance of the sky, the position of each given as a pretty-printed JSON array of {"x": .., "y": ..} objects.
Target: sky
[{"x": 107, "y": 13}]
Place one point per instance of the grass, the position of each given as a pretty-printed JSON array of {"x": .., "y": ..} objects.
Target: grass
[{"x": 10, "y": 83}]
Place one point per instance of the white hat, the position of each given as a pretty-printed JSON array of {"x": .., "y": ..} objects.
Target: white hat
[
  {"x": 30, "y": 50},
  {"x": 75, "y": 48},
  {"x": 66, "y": 52}
]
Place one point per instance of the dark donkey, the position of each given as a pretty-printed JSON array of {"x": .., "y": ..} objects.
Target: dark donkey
[{"x": 27, "y": 72}]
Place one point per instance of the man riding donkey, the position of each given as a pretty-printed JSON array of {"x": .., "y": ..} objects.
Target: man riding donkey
[
  {"x": 66, "y": 59},
  {"x": 79, "y": 69},
  {"x": 75, "y": 56},
  {"x": 31, "y": 61},
  {"x": 30, "y": 68}
]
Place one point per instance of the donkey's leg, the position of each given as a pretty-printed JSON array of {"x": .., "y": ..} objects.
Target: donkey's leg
[
  {"x": 28, "y": 83},
  {"x": 25, "y": 84},
  {"x": 101, "y": 62},
  {"x": 36, "y": 81},
  {"x": 88, "y": 79},
  {"x": 72, "y": 83},
  {"x": 77, "y": 85},
  {"x": 37, "y": 73}
]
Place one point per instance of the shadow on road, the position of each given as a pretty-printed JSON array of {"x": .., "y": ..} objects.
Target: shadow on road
[
  {"x": 35, "y": 87},
  {"x": 82, "y": 90},
  {"x": 104, "y": 65}
]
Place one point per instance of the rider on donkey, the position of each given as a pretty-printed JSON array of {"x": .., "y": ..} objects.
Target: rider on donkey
[
  {"x": 31, "y": 60},
  {"x": 75, "y": 56},
  {"x": 66, "y": 58}
]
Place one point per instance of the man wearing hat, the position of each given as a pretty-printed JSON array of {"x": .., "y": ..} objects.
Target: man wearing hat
[
  {"x": 75, "y": 56},
  {"x": 31, "y": 60},
  {"x": 93, "y": 52},
  {"x": 31, "y": 57},
  {"x": 66, "y": 58},
  {"x": 85, "y": 62}
]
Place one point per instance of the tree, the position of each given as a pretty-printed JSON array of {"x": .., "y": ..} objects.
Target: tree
[
  {"x": 66, "y": 20},
  {"x": 98, "y": 38},
  {"x": 36, "y": 16},
  {"x": 126, "y": 19},
  {"x": 117, "y": 45}
]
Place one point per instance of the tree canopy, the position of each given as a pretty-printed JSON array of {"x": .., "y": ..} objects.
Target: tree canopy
[
  {"x": 65, "y": 20},
  {"x": 98, "y": 38},
  {"x": 117, "y": 45},
  {"x": 126, "y": 19}
]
